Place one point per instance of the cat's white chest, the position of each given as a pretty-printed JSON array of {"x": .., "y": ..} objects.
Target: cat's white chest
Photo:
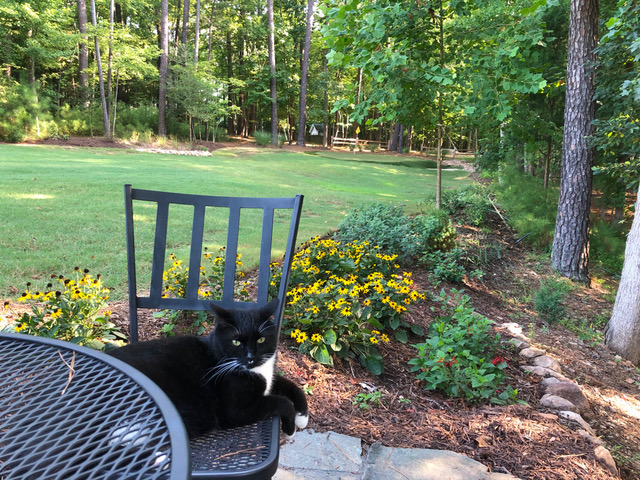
[{"x": 267, "y": 371}]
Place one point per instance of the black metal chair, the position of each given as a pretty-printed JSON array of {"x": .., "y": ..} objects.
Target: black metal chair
[{"x": 249, "y": 452}]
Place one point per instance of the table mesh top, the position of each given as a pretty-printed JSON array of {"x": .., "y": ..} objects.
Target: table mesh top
[{"x": 64, "y": 415}]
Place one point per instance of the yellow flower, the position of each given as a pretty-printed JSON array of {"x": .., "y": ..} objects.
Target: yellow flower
[
  {"x": 295, "y": 333},
  {"x": 301, "y": 337},
  {"x": 384, "y": 338},
  {"x": 345, "y": 312},
  {"x": 373, "y": 340},
  {"x": 367, "y": 302},
  {"x": 316, "y": 337},
  {"x": 57, "y": 313}
]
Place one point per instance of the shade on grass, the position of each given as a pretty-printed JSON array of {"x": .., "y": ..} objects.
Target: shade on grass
[{"x": 62, "y": 207}]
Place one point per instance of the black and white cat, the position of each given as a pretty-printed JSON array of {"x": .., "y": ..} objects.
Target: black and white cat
[{"x": 226, "y": 379}]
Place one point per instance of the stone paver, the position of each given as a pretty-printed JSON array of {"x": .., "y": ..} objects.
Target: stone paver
[{"x": 329, "y": 456}]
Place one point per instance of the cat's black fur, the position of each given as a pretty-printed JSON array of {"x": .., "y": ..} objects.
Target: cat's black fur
[{"x": 220, "y": 381}]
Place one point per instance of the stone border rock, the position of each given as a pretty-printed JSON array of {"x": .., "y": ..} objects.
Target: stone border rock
[{"x": 560, "y": 393}]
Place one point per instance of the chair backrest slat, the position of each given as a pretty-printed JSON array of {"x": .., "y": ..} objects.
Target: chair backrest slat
[
  {"x": 159, "y": 250},
  {"x": 232, "y": 206},
  {"x": 265, "y": 257}
]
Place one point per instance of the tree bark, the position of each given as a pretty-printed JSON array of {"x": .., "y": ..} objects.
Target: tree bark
[
  {"x": 622, "y": 334},
  {"x": 393, "y": 146},
  {"x": 83, "y": 53},
  {"x": 302, "y": 115},
  {"x": 196, "y": 41},
  {"x": 272, "y": 76},
  {"x": 185, "y": 23},
  {"x": 325, "y": 135},
  {"x": 103, "y": 99},
  {"x": 164, "y": 68},
  {"x": 570, "y": 253}
]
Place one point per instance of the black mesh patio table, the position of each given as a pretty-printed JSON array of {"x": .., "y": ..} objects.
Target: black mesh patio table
[{"x": 69, "y": 412}]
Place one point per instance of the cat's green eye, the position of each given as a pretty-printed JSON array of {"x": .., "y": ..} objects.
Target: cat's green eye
[
  {"x": 235, "y": 343},
  {"x": 261, "y": 340}
]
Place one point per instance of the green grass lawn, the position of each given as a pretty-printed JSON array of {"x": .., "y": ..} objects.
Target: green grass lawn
[{"x": 64, "y": 207}]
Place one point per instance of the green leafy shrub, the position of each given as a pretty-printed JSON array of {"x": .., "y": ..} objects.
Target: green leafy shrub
[
  {"x": 342, "y": 299},
  {"x": 262, "y": 138},
  {"x": 548, "y": 300},
  {"x": 73, "y": 312},
  {"x": 470, "y": 204},
  {"x": 176, "y": 278},
  {"x": 458, "y": 356},
  {"x": 445, "y": 266},
  {"x": 386, "y": 226}
]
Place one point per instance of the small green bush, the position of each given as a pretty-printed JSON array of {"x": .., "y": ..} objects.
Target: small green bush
[
  {"x": 386, "y": 226},
  {"x": 470, "y": 204},
  {"x": 548, "y": 300},
  {"x": 262, "y": 138},
  {"x": 458, "y": 356}
]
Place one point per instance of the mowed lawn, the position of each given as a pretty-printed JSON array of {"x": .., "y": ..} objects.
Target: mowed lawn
[{"x": 64, "y": 207}]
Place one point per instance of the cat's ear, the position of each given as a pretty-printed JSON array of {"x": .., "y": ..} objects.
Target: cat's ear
[
  {"x": 221, "y": 313},
  {"x": 269, "y": 309}
]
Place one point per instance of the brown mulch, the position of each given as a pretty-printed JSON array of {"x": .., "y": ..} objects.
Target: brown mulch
[{"x": 527, "y": 441}]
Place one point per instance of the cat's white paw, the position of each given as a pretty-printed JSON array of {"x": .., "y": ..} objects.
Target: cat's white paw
[{"x": 302, "y": 420}]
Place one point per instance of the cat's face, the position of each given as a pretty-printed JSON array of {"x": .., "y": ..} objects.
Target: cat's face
[{"x": 248, "y": 338}]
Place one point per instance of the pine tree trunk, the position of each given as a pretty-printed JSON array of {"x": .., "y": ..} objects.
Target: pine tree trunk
[
  {"x": 622, "y": 333},
  {"x": 185, "y": 23},
  {"x": 302, "y": 114},
  {"x": 164, "y": 68},
  {"x": 272, "y": 77},
  {"x": 570, "y": 254},
  {"x": 83, "y": 53},
  {"x": 103, "y": 99},
  {"x": 196, "y": 41}
]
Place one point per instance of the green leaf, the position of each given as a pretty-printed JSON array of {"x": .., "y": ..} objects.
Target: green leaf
[
  {"x": 330, "y": 337},
  {"x": 374, "y": 365},
  {"x": 417, "y": 330},
  {"x": 401, "y": 336},
  {"x": 321, "y": 354}
]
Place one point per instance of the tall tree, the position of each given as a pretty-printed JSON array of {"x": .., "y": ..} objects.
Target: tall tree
[
  {"x": 163, "y": 68},
  {"x": 103, "y": 99},
  {"x": 272, "y": 74},
  {"x": 570, "y": 254},
  {"x": 302, "y": 116},
  {"x": 185, "y": 23},
  {"x": 83, "y": 53},
  {"x": 196, "y": 41}
]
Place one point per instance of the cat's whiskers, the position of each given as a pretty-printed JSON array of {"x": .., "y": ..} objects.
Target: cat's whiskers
[{"x": 223, "y": 369}]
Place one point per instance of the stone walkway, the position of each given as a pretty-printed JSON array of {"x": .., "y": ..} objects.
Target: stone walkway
[{"x": 333, "y": 456}]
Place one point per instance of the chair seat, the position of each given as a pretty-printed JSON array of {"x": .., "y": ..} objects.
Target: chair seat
[{"x": 250, "y": 451}]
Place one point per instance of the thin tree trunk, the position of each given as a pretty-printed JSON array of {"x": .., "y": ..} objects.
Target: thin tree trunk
[
  {"x": 83, "y": 53},
  {"x": 103, "y": 99},
  {"x": 440, "y": 120},
  {"x": 325, "y": 135},
  {"x": 115, "y": 104},
  {"x": 164, "y": 68},
  {"x": 110, "y": 56},
  {"x": 272, "y": 76},
  {"x": 196, "y": 41},
  {"x": 185, "y": 23},
  {"x": 302, "y": 115},
  {"x": 393, "y": 144},
  {"x": 570, "y": 253},
  {"x": 356, "y": 129},
  {"x": 230, "y": 123}
]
